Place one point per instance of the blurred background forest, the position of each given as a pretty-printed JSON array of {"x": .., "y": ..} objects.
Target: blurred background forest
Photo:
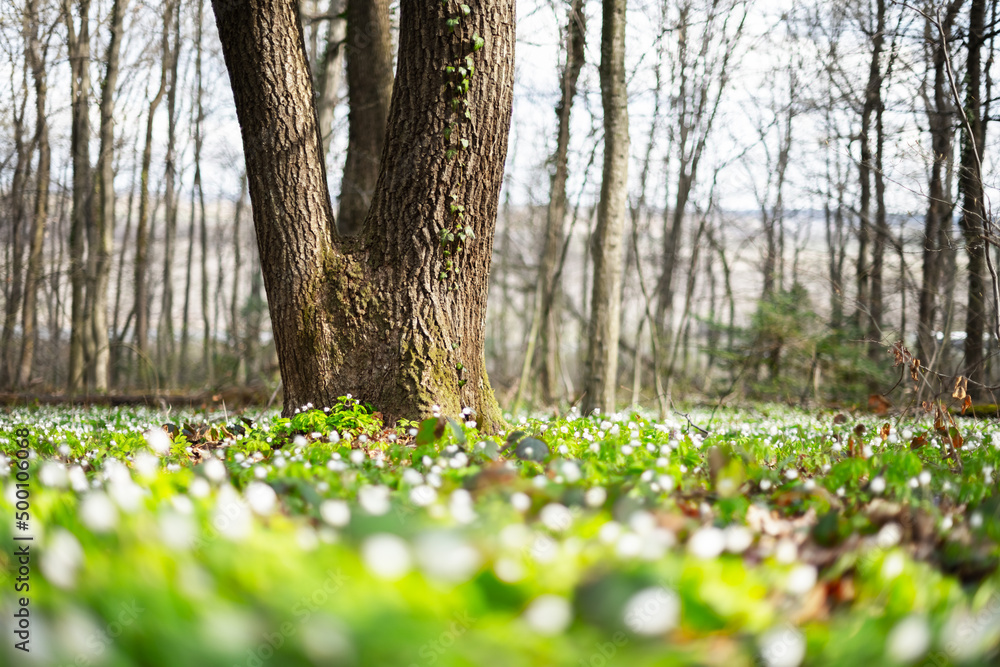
[{"x": 808, "y": 183}]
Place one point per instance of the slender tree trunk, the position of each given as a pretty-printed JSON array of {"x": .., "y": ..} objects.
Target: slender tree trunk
[
  {"x": 973, "y": 206},
  {"x": 105, "y": 227},
  {"x": 872, "y": 100},
  {"x": 166, "y": 349},
  {"x": 82, "y": 217},
  {"x": 545, "y": 318},
  {"x": 238, "y": 345},
  {"x": 369, "y": 89},
  {"x": 18, "y": 203},
  {"x": 37, "y": 56},
  {"x": 329, "y": 72},
  {"x": 141, "y": 298},
  {"x": 387, "y": 317},
  {"x": 607, "y": 241}
]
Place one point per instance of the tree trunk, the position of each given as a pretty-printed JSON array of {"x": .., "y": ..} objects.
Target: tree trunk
[
  {"x": 606, "y": 243},
  {"x": 939, "y": 123},
  {"x": 106, "y": 203},
  {"x": 545, "y": 318},
  {"x": 82, "y": 216},
  {"x": 329, "y": 71},
  {"x": 873, "y": 92},
  {"x": 165, "y": 331},
  {"x": 18, "y": 204},
  {"x": 369, "y": 89},
  {"x": 141, "y": 299},
  {"x": 29, "y": 315},
  {"x": 973, "y": 206},
  {"x": 397, "y": 316}
]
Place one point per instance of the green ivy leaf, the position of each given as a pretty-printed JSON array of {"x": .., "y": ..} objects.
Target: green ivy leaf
[
  {"x": 466, "y": 9},
  {"x": 477, "y": 42}
]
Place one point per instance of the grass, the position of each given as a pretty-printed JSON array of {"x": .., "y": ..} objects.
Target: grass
[{"x": 760, "y": 536}]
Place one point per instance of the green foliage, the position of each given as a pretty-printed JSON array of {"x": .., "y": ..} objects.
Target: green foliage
[
  {"x": 789, "y": 353},
  {"x": 831, "y": 532}
]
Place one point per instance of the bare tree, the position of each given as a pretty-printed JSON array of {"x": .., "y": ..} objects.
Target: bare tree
[{"x": 607, "y": 240}]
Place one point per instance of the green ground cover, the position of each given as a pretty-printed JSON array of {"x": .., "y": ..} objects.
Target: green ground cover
[{"x": 762, "y": 536}]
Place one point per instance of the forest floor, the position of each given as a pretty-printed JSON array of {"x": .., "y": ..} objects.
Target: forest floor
[{"x": 758, "y": 536}]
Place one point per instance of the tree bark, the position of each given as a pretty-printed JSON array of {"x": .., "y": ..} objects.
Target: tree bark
[
  {"x": 82, "y": 216},
  {"x": 329, "y": 72},
  {"x": 141, "y": 298},
  {"x": 18, "y": 203},
  {"x": 166, "y": 348},
  {"x": 606, "y": 243},
  {"x": 369, "y": 89},
  {"x": 387, "y": 317},
  {"x": 545, "y": 317},
  {"x": 939, "y": 111},
  {"x": 973, "y": 206},
  {"x": 873, "y": 91},
  {"x": 106, "y": 203},
  {"x": 36, "y": 56}
]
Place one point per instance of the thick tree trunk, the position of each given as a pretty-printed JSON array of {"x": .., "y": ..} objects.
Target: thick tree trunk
[
  {"x": 369, "y": 89},
  {"x": 36, "y": 57},
  {"x": 973, "y": 206},
  {"x": 106, "y": 203},
  {"x": 82, "y": 216},
  {"x": 606, "y": 243},
  {"x": 388, "y": 317}
]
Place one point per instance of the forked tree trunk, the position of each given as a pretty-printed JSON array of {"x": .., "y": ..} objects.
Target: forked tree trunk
[
  {"x": 369, "y": 89},
  {"x": 607, "y": 241},
  {"x": 380, "y": 317}
]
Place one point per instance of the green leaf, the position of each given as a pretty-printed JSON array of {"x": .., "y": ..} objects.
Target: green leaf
[
  {"x": 452, "y": 152},
  {"x": 431, "y": 429},
  {"x": 477, "y": 42},
  {"x": 457, "y": 431},
  {"x": 466, "y": 9},
  {"x": 465, "y": 143}
]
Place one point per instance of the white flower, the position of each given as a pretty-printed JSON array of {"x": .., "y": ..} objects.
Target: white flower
[
  {"x": 61, "y": 558},
  {"x": 261, "y": 498},
  {"x": 909, "y": 640},
  {"x": 335, "y": 512},
  {"x": 53, "y": 474},
  {"x": 386, "y": 556},
  {"x": 423, "y": 495},
  {"x": 158, "y": 440},
  {"x": 98, "y": 512},
  {"x": 707, "y": 543},
  {"x": 738, "y": 539},
  {"x": 801, "y": 580},
  {"x": 652, "y": 611},
  {"x": 782, "y": 647},
  {"x": 877, "y": 485},
  {"x": 215, "y": 470},
  {"x": 595, "y": 497},
  {"x": 556, "y": 517},
  {"x": 548, "y": 614},
  {"x": 374, "y": 499},
  {"x": 446, "y": 557}
]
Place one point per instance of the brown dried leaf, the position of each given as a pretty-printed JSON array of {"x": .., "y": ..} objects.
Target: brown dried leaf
[
  {"x": 884, "y": 431},
  {"x": 917, "y": 442},
  {"x": 961, "y": 387},
  {"x": 879, "y": 404},
  {"x": 966, "y": 404}
]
